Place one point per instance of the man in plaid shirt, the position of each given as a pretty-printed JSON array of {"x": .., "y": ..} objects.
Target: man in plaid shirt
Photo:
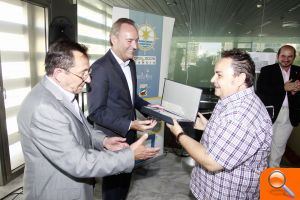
[{"x": 236, "y": 141}]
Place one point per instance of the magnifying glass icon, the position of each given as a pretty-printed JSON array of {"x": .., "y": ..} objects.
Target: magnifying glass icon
[{"x": 277, "y": 180}]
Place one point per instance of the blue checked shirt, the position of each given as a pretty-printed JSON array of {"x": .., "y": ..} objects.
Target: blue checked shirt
[{"x": 238, "y": 137}]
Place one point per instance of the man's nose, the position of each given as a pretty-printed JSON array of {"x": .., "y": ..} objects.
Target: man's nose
[
  {"x": 134, "y": 44},
  {"x": 212, "y": 80},
  {"x": 88, "y": 80}
]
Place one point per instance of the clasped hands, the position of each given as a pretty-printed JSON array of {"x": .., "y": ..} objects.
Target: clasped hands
[
  {"x": 292, "y": 87},
  {"x": 140, "y": 151}
]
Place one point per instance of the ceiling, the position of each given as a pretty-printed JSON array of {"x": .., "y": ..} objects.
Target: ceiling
[{"x": 244, "y": 18}]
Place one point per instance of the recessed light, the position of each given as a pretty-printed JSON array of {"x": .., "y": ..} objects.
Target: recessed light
[
  {"x": 171, "y": 2},
  {"x": 294, "y": 8},
  {"x": 249, "y": 32},
  {"x": 259, "y": 4},
  {"x": 290, "y": 24},
  {"x": 262, "y": 35}
]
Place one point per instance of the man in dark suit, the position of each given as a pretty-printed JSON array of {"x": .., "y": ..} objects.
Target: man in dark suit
[
  {"x": 112, "y": 98},
  {"x": 279, "y": 85}
]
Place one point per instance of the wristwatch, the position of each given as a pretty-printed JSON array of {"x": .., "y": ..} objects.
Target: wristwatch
[{"x": 178, "y": 136}]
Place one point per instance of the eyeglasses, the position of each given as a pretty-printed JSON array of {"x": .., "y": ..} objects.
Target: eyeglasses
[{"x": 85, "y": 75}]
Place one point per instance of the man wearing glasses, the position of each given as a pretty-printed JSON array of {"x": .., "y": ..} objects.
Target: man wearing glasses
[{"x": 62, "y": 152}]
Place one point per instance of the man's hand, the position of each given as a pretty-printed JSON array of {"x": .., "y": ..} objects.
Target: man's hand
[
  {"x": 296, "y": 87},
  {"x": 142, "y": 125},
  {"x": 156, "y": 106},
  {"x": 176, "y": 128},
  {"x": 292, "y": 87},
  {"x": 140, "y": 151},
  {"x": 201, "y": 122},
  {"x": 115, "y": 143}
]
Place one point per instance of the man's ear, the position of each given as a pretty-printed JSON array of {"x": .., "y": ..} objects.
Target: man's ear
[
  {"x": 241, "y": 78},
  {"x": 57, "y": 73},
  {"x": 113, "y": 39}
]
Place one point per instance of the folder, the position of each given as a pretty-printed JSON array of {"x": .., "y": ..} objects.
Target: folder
[{"x": 180, "y": 102}]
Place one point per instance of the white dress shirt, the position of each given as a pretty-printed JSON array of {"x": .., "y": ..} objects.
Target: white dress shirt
[
  {"x": 126, "y": 70},
  {"x": 286, "y": 76}
]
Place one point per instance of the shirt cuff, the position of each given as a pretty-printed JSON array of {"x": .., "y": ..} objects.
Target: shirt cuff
[{"x": 129, "y": 125}]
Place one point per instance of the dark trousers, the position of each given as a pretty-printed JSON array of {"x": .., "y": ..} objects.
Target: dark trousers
[{"x": 116, "y": 187}]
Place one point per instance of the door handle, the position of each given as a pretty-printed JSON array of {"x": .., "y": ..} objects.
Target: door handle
[{"x": 4, "y": 92}]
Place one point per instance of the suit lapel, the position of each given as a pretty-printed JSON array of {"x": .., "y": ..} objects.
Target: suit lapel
[
  {"x": 58, "y": 94},
  {"x": 60, "y": 97},
  {"x": 116, "y": 67},
  {"x": 279, "y": 73},
  {"x": 293, "y": 73},
  {"x": 133, "y": 77},
  {"x": 85, "y": 124}
]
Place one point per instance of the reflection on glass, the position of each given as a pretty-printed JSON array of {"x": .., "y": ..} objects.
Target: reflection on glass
[
  {"x": 6, "y": 9},
  {"x": 195, "y": 68},
  {"x": 94, "y": 22},
  {"x": 90, "y": 14},
  {"x": 89, "y": 31},
  {"x": 14, "y": 70}
]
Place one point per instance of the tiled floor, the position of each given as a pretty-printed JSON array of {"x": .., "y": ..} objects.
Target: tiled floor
[
  {"x": 161, "y": 180},
  {"x": 164, "y": 179}
]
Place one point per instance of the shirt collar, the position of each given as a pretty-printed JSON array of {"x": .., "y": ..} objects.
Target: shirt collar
[
  {"x": 282, "y": 70},
  {"x": 119, "y": 60},
  {"x": 237, "y": 96},
  {"x": 70, "y": 96}
]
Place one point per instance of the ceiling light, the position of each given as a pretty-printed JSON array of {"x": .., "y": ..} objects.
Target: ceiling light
[
  {"x": 261, "y": 35},
  {"x": 266, "y": 23},
  {"x": 249, "y": 32},
  {"x": 290, "y": 24},
  {"x": 171, "y": 2},
  {"x": 294, "y": 8},
  {"x": 259, "y": 4}
]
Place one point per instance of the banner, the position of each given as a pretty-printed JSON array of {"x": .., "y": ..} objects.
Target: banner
[
  {"x": 148, "y": 56},
  {"x": 152, "y": 57}
]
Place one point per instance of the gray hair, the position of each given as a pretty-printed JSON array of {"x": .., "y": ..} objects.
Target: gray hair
[{"x": 60, "y": 55}]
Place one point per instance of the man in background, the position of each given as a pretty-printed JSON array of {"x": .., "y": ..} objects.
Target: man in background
[
  {"x": 62, "y": 152},
  {"x": 279, "y": 85},
  {"x": 112, "y": 99},
  {"x": 236, "y": 142}
]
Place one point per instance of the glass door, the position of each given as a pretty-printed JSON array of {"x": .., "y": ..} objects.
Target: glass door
[{"x": 23, "y": 48}]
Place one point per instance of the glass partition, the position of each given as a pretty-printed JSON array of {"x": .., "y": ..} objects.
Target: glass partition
[
  {"x": 94, "y": 23},
  {"x": 193, "y": 62},
  {"x": 23, "y": 46}
]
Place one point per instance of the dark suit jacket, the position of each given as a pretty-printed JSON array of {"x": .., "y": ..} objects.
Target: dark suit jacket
[
  {"x": 270, "y": 88},
  {"x": 109, "y": 102}
]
